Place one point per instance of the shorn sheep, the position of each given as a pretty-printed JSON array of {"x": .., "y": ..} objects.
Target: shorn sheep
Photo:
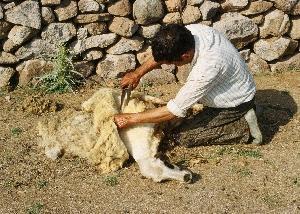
[{"x": 92, "y": 134}]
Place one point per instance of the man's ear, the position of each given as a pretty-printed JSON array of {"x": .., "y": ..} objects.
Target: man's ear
[{"x": 187, "y": 56}]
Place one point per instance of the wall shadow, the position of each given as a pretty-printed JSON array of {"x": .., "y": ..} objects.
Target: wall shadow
[{"x": 274, "y": 109}]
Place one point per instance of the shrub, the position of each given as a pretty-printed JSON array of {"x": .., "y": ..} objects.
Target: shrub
[{"x": 63, "y": 77}]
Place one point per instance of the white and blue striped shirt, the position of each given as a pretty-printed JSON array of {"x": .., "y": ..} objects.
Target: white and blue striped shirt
[{"x": 219, "y": 76}]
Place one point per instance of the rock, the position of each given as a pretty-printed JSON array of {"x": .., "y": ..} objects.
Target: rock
[
  {"x": 33, "y": 68},
  {"x": 245, "y": 54},
  {"x": 26, "y": 14},
  {"x": 50, "y": 2},
  {"x": 85, "y": 68},
  {"x": 172, "y": 18},
  {"x": 36, "y": 48},
  {"x": 276, "y": 24},
  {"x": 98, "y": 41},
  {"x": 88, "y": 6},
  {"x": 4, "y": 29},
  {"x": 194, "y": 2},
  {"x": 82, "y": 33},
  {"x": 66, "y": 10},
  {"x": 59, "y": 32},
  {"x": 126, "y": 45},
  {"x": 295, "y": 29},
  {"x": 149, "y": 31},
  {"x": 289, "y": 64},
  {"x": 9, "y": 6},
  {"x": 17, "y": 36},
  {"x": 239, "y": 29},
  {"x": 96, "y": 28},
  {"x": 209, "y": 9},
  {"x": 89, "y": 18},
  {"x": 147, "y": 12},
  {"x": 174, "y": 5},
  {"x": 159, "y": 76},
  {"x": 120, "y": 8},
  {"x": 183, "y": 72},
  {"x": 190, "y": 14},
  {"x": 6, "y": 73},
  {"x": 257, "y": 7},
  {"x": 274, "y": 48},
  {"x": 123, "y": 26},
  {"x": 1, "y": 12},
  {"x": 7, "y": 58},
  {"x": 284, "y": 5},
  {"x": 144, "y": 54},
  {"x": 258, "y": 19},
  {"x": 296, "y": 9},
  {"x": 112, "y": 65},
  {"x": 234, "y": 5},
  {"x": 92, "y": 55},
  {"x": 257, "y": 65},
  {"x": 47, "y": 15}
]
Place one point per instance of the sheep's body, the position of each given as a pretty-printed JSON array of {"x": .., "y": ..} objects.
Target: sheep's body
[{"x": 92, "y": 134}]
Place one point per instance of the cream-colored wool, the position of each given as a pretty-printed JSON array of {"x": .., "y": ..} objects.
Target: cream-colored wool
[{"x": 90, "y": 133}]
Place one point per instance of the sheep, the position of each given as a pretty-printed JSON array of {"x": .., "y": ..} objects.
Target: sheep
[{"x": 92, "y": 134}]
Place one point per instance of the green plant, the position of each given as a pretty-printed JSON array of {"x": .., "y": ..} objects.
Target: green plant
[
  {"x": 41, "y": 184},
  {"x": 35, "y": 208},
  {"x": 111, "y": 180},
  {"x": 16, "y": 131},
  {"x": 63, "y": 77},
  {"x": 250, "y": 153}
]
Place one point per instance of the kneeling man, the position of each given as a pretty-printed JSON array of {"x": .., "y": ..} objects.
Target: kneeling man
[{"x": 219, "y": 79}]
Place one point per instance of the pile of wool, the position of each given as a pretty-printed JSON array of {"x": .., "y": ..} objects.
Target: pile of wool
[{"x": 90, "y": 133}]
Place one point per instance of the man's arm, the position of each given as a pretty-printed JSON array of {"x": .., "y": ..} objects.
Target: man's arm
[
  {"x": 157, "y": 115},
  {"x": 133, "y": 78}
]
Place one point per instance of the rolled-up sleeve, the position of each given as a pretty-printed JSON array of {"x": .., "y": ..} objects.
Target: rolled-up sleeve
[{"x": 198, "y": 84}]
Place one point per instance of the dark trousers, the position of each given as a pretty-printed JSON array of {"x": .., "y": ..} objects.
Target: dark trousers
[{"x": 215, "y": 126}]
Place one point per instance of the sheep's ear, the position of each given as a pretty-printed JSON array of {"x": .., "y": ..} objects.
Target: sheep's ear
[{"x": 147, "y": 98}]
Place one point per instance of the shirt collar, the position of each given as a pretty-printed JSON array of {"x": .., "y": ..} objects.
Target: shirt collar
[{"x": 196, "y": 52}]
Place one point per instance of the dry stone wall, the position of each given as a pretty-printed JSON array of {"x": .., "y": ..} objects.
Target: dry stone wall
[{"x": 107, "y": 37}]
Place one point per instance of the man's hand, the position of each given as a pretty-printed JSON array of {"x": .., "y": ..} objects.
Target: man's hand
[
  {"x": 122, "y": 120},
  {"x": 131, "y": 79}
]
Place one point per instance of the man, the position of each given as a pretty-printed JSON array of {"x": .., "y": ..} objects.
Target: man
[{"x": 219, "y": 79}]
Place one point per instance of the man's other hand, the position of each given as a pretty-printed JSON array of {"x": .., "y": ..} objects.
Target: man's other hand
[
  {"x": 122, "y": 120},
  {"x": 131, "y": 79}
]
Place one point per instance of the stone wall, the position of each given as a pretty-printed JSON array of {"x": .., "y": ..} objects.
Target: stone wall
[{"x": 112, "y": 36}]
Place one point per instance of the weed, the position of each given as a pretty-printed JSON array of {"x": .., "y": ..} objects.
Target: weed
[
  {"x": 296, "y": 182},
  {"x": 250, "y": 153},
  {"x": 63, "y": 77},
  {"x": 41, "y": 184},
  {"x": 16, "y": 131},
  {"x": 242, "y": 171},
  {"x": 111, "y": 180},
  {"x": 35, "y": 208},
  {"x": 8, "y": 183},
  {"x": 224, "y": 150}
]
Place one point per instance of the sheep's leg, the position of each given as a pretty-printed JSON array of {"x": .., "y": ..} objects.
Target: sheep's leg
[
  {"x": 156, "y": 169},
  {"x": 255, "y": 132}
]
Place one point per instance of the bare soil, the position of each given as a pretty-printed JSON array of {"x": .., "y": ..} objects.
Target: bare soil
[{"x": 228, "y": 178}]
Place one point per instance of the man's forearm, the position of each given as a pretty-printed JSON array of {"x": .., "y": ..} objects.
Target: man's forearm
[
  {"x": 157, "y": 115},
  {"x": 147, "y": 66}
]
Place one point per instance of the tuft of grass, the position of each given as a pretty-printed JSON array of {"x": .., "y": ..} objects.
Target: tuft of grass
[
  {"x": 36, "y": 208},
  {"x": 41, "y": 184},
  {"x": 111, "y": 180},
  {"x": 63, "y": 78},
  {"x": 250, "y": 153},
  {"x": 16, "y": 131}
]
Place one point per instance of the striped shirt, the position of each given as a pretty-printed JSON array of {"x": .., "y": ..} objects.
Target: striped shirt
[{"x": 219, "y": 77}]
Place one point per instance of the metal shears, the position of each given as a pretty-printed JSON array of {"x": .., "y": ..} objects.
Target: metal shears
[{"x": 125, "y": 96}]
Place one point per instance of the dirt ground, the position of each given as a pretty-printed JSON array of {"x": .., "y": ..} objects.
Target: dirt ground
[{"x": 229, "y": 178}]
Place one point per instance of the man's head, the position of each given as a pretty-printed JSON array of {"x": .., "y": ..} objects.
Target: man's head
[{"x": 173, "y": 44}]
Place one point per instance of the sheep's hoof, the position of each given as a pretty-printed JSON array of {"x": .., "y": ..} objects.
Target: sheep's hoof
[{"x": 188, "y": 177}]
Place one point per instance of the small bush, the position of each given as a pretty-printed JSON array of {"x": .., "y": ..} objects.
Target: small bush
[
  {"x": 250, "y": 153},
  {"x": 111, "y": 180},
  {"x": 16, "y": 131},
  {"x": 35, "y": 208},
  {"x": 63, "y": 77}
]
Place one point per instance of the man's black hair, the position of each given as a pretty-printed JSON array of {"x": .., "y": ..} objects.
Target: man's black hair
[{"x": 171, "y": 42}]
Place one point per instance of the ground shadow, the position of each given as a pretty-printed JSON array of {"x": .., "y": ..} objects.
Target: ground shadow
[{"x": 274, "y": 109}]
